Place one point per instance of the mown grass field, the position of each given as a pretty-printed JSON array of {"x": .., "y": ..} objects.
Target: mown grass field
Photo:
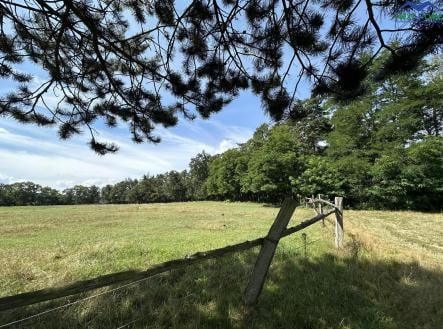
[{"x": 389, "y": 275}]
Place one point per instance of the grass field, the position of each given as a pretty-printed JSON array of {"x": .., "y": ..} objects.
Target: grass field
[{"x": 389, "y": 275}]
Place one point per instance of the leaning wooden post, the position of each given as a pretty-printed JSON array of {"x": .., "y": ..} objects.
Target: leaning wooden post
[
  {"x": 267, "y": 251},
  {"x": 339, "y": 233}
]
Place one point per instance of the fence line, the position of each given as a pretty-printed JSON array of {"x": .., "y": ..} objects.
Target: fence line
[
  {"x": 78, "y": 287},
  {"x": 338, "y": 209},
  {"x": 30, "y": 298},
  {"x": 305, "y": 244},
  {"x": 278, "y": 230},
  {"x": 78, "y": 301},
  {"x": 306, "y": 223}
]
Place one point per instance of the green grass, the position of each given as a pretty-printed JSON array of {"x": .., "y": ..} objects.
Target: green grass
[{"x": 389, "y": 274}]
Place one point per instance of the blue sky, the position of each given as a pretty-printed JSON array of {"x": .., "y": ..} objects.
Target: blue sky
[
  {"x": 36, "y": 154},
  {"x": 33, "y": 153}
]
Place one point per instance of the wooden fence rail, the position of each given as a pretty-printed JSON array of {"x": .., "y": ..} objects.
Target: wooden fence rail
[{"x": 38, "y": 296}]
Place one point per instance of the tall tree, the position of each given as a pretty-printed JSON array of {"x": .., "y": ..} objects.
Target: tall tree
[
  {"x": 175, "y": 187},
  {"x": 146, "y": 62},
  {"x": 50, "y": 196},
  {"x": 24, "y": 193},
  {"x": 225, "y": 172},
  {"x": 320, "y": 176},
  {"x": 374, "y": 136},
  {"x": 80, "y": 194},
  {"x": 270, "y": 167},
  {"x": 410, "y": 178},
  {"x": 198, "y": 173},
  {"x": 395, "y": 112}
]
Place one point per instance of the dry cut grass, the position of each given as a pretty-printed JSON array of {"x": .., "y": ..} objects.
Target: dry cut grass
[{"x": 389, "y": 275}]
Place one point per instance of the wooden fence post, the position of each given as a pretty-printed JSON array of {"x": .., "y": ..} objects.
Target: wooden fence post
[
  {"x": 339, "y": 233},
  {"x": 267, "y": 251},
  {"x": 320, "y": 210}
]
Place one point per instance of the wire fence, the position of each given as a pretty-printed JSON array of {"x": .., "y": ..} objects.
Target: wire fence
[
  {"x": 78, "y": 301},
  {"x": 167, "y": 266},
  {"x": 302, "y": 246}
]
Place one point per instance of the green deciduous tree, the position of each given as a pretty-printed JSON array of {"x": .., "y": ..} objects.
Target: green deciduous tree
[
  {"x": 28, "y": 193},
  {"x": 80, "y": 194},
  {"x": 225, "y": 172},
  {"x": 374, "y": 136},
  {"x": 410, "y": 178},
  {"x": 320, "y": 176},
  {"x": 198, "y": 173},
  {"x": 270, "y": 166}
]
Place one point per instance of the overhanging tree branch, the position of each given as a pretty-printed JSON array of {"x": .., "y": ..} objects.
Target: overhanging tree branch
[{"x": 169, "y": 60}]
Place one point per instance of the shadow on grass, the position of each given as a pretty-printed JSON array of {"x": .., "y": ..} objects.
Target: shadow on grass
[
  {"x": 322, "y": 292},
  {"x": 272, "y": 205}
]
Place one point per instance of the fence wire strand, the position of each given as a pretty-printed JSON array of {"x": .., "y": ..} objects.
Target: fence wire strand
[
  {"x": 75, "y": 302},
  {"x": 108, "y": 292},
  {"x": 128, "y": 324},
  {"x": 296, "y": 248}
]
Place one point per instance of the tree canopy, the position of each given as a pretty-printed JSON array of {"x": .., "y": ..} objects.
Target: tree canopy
[
  {"x": 382, "y": 150},
  {"x": 148, "y": 62}
]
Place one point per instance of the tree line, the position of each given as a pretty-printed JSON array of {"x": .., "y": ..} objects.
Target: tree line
[
  {"x": 383, "y": 150},
  {"x": 166, "y": 187},
  {"x": 29, "y": 193}
]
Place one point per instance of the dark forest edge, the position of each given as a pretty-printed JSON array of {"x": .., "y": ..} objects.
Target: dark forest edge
[{"x": 381, "y": 151}]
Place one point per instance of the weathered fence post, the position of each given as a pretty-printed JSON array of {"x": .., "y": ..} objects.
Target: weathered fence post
[
  {"x": 267, "y": 251},
  {"x": 320, "y": 210},
  {"x": 339, "y": 233},
  {"x": 305, "y": 242}
]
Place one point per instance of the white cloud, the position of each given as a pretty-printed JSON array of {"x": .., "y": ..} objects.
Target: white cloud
[
  {"x": 35, "y": 154},
  {"x": 232, "y": 135},
  {"x": 8, "y": 179},
  {"x": 225, "y": 145}
]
